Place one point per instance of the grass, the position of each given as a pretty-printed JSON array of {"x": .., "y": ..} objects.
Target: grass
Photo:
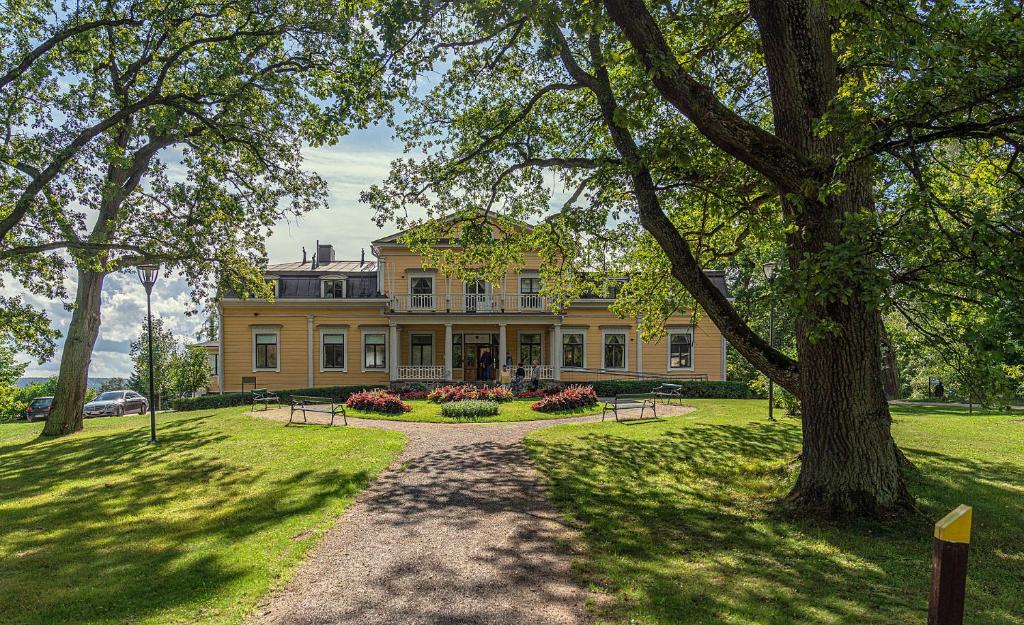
[
  {"x": 680, "y": 521},
  {"x": 425, "y": 411},
  {"x": 103, "y": 528}
]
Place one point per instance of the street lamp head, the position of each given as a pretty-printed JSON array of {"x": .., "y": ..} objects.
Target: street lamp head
[
  {"x": 769, "y": 270},
  {"x": 148, "y": 275}
]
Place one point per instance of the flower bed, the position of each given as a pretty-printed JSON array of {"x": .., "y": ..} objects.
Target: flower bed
[
  {"x": 378, "y": 400},
  {"x": 406, "y": 395},
  {"x": 570, "y": 398},
  {"x": 469, "y": 409},
  {"x": 456, "y": 393}
]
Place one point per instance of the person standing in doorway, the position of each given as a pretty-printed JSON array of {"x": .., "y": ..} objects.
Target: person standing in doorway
[{"x": 486, "y": 362}]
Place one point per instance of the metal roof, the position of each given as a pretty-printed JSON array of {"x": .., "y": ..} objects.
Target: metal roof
[{"x": 337, "y": 266}]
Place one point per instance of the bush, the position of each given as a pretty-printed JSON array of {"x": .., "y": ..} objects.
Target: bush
[
  {"x": 693, "y": 389},
  {"x": 533, "y": 394},
  {"x": 224, "y": 400},
  {"x": 455, "y": 392},
  {"x": 570, "y": 398},
  {"x": 413, "y": 394},
  {"x": 469, "y": 409},
  {"x": 378, "y": 400}
]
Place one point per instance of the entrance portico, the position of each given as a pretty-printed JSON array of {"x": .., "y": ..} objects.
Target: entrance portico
[{"x": 442, "y": 348}]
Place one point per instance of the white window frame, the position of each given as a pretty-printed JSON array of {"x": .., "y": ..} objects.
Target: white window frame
[
  {"x": 675, "y": 331},
  {"x": 362, "y": 350},
  {"x": 414, "y": 275},
  {"x": 277, "y": 341},
  {"x": 323, "y": 286},
  {"x": 433, "y": 348},
  {"x": 583, "y": 343},
  {"x": 625, "y": 349},
  {"x": 344, "y": 338}
]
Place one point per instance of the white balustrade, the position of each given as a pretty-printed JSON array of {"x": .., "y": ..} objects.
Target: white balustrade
[{"x": 422, "y": 373}]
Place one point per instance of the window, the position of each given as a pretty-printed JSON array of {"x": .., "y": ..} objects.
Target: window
[
  {"x": 421, "y": 292},
  {"x": 680, "y": 349},
  {"x": 476, "y": 295},
  {"x": 529, "y": 293},
  {"x": 373, "y": 351},
  {"x": 456, "y": 350},
  {"x": 422, "y": 350},
  {"x": 572, "y": 349},
  {"x": 529, "y": 349},
  {"x": 333, "y": 288},
  {"x": 615, "y": 350},
  {"x": 332, "y": 350},
  {"x": 265, "y": 358},
  {"x": 529, "y": 285},
  {"x": 212, "y": 359}
]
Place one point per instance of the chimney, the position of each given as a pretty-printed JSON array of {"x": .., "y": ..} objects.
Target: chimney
[
  {"x": 362, "y": 257},
  {"x": 324, "y": 253},
  {"x": 303, "y": 254},
  {"x": 316, "y": 254}
]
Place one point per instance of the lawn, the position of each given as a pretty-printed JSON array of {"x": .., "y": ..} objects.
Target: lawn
[
  {"x": 103, "y": 528},
  {"x": 516, "y": 410},
  {"x": 680, "y": 521}
]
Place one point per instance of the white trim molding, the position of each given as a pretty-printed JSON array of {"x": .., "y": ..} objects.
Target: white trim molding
[
  {"x": 342, "y": 331},
  {"x": 605, "y": 332},
  {"x": 582, "y": 333},
  {"x": 675, "y": 331},
  {"x": 274, "y": 330},
  {"x": 377, "y": 330}
]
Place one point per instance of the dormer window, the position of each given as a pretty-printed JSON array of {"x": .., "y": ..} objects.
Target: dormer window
[
  {"x": 332, "y": 287},
  {"x": 272, "y": 282}
]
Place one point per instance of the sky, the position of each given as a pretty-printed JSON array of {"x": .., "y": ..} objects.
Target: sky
[{"x": 360, "y": 159}]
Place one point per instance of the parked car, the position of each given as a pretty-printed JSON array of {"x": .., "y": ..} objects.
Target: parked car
[
  {"x": 116, "y": 403},
  {"x": 38, "y": 409}
]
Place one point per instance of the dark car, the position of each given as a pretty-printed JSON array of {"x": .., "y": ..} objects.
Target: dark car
[
  {"x": 116, "y": 403},
  {"x": 39, "y": 408}
]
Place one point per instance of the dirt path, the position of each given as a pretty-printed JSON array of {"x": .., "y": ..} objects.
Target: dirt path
[{"x": 458, "y": 532}]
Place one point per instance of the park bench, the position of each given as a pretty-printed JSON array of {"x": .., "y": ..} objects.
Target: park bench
[
  {"x": 322, "y": 405},
  {"x": 628, "y": 402},
  {"x": 264, "y": 396},
  {"x": 668, "y": 392}
]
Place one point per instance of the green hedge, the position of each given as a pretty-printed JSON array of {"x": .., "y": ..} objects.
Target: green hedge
[
  {"x": 469, "y": 409},
  {"x": 692, "y": 389},
  {"x": 224, "y": 400}
]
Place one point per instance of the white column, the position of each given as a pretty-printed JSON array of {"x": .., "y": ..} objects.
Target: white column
[
  {"x": 309, "y": 349},
  {"x": 393, "y": 351},
  {"x": 502, "y": 347},
  {"x": 448, "y": 351},
  {"x": 556, "y": 351}
]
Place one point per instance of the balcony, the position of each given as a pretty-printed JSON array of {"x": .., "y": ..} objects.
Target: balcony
[{"x": 470, "y": 303}]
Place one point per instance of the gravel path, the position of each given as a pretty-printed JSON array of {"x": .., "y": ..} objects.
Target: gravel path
[{"x": 459, "y": 531}]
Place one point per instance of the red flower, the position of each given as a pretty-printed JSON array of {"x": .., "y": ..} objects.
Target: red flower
[
  {"x": 571, "y": 397},
  {"x": 378, "y": 400}
]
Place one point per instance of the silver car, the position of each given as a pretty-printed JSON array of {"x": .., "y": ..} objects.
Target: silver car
[{"x": 116, "y": 403}]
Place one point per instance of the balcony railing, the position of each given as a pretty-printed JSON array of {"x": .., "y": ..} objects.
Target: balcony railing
[
  {"x": 544, "y": 372},
  {"x": 472, "y": 303},
  {"x": 422, "y": 373}
]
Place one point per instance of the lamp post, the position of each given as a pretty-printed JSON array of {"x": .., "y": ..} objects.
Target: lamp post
[
  {"x": 148, "y": 275},
  {"x": 769, "y": 274}
]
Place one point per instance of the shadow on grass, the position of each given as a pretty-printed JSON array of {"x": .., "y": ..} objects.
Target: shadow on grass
[
  {"x": 683, "y": 526},
  {"x": 110, "y": 528}
]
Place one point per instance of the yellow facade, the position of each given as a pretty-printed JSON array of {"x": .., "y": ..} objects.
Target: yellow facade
[{"x": 442, "y": 333}]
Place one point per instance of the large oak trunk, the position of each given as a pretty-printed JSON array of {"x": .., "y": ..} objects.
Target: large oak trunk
[
  {"x": 850, "y": 462},
  {"x": 72, "y": 382}
]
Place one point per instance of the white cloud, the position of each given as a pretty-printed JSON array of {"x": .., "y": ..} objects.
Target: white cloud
[{"x": 360, "y": 160}]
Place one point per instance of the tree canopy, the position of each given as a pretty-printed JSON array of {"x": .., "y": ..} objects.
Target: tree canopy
[{"x": 870, "y": 147}]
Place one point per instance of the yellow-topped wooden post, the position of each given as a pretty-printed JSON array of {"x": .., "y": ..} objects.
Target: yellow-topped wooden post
[{"x": 949, "y": 567}]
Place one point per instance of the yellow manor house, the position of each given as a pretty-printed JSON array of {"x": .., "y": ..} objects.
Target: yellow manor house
[{"x": 349, "y": 322}]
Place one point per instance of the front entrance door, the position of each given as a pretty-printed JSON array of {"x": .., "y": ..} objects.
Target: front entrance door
[{"x": 480, "y": 351}]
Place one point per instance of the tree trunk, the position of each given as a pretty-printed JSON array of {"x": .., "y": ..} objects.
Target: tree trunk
[
  {"x": 850, "y": 462},
  {"x": 890, "y": 372},
  {"x": 66, "y": 416}
]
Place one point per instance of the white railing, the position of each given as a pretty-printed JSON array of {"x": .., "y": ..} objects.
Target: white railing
[
  {"x": 544, "y": 372},
  {"x": 478, "y": 303},
  {"x": 472, "y": 303},
  {"x": 427, "y": 373}
]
